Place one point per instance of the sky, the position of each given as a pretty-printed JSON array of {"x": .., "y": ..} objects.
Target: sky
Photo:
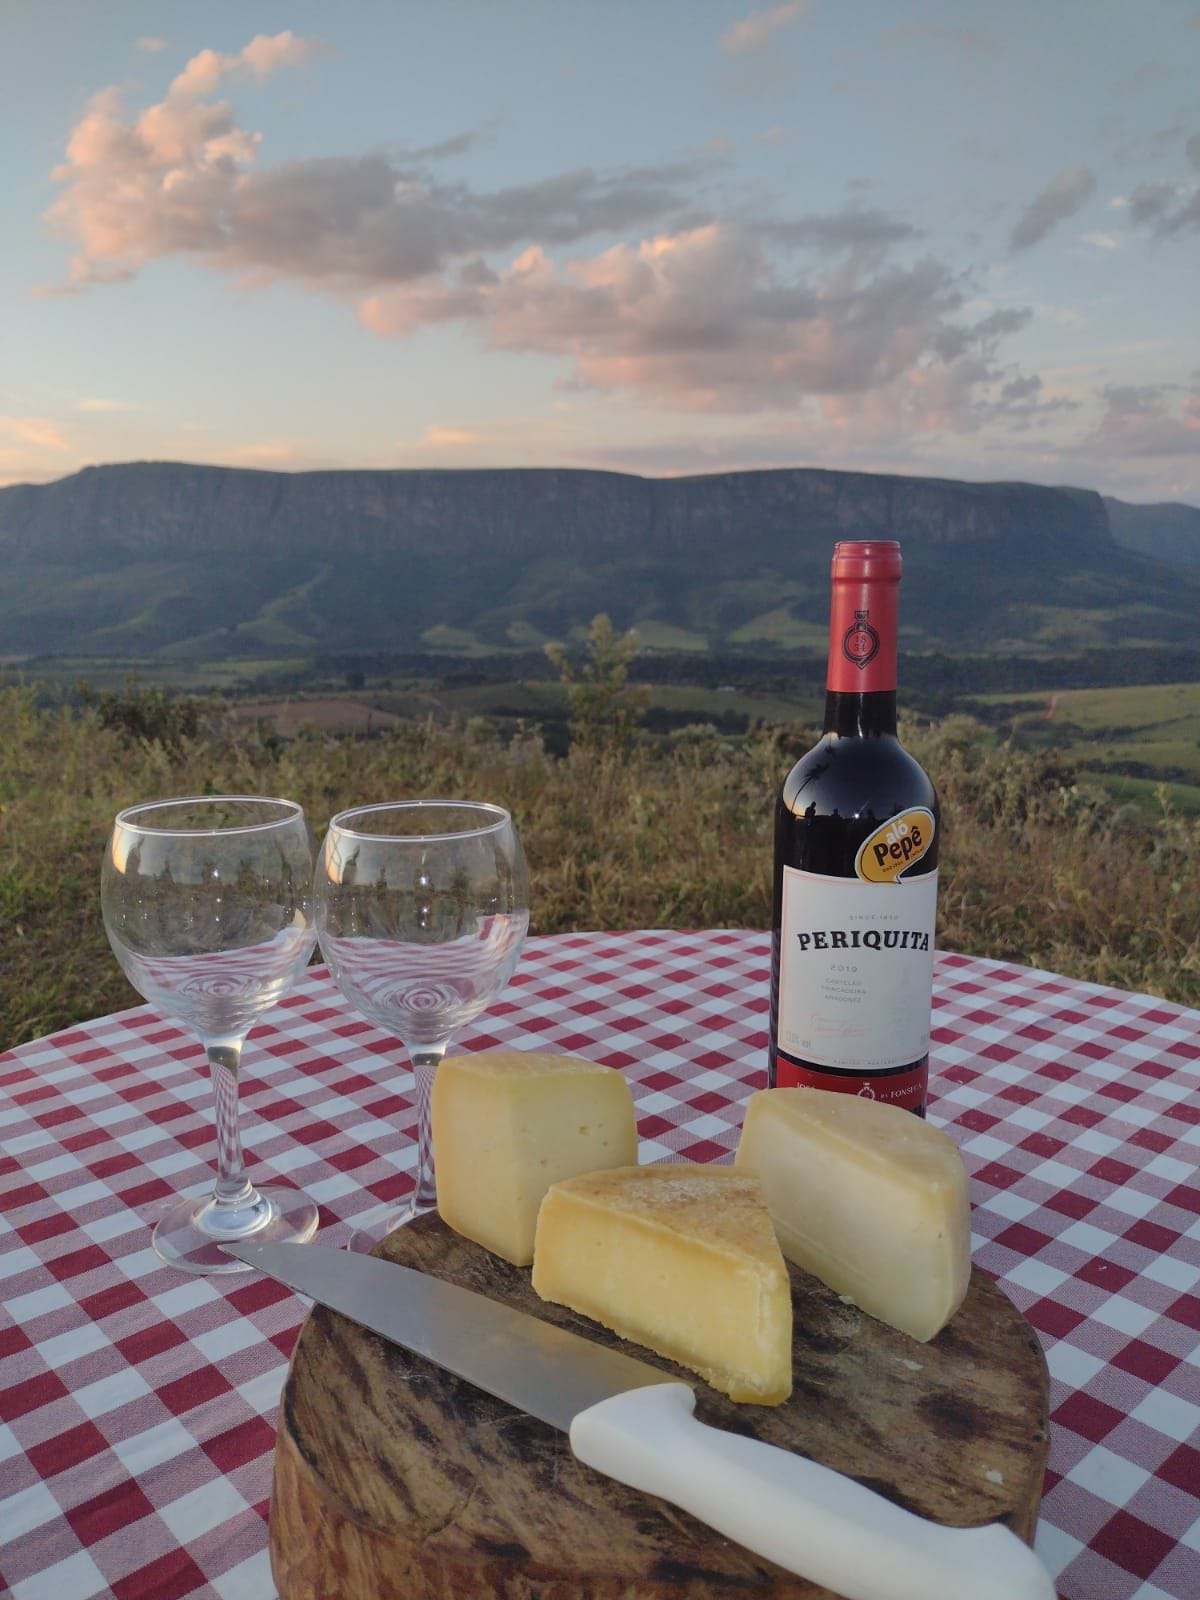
[{"x": 955, "y": 239}]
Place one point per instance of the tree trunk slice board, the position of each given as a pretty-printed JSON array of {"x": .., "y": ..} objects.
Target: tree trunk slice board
[{"x": 395, "y": 1480}]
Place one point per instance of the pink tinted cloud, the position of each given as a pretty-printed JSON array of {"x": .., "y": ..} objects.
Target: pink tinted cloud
[
  {"x": 183, "y": 176},
  {"x": 265, "y": 54},
  {"x": 32, "y": 449},
  {"x": 696, "y": 313},
  {"x": 39, "y": 432},
  {"x": 706, "y": 320},
  {"x": 754, "y": 31},
  {"x": 143, "y": 186}
]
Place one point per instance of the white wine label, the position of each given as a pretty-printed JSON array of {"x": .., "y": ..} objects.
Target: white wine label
[{"x": 856, "y": 970}]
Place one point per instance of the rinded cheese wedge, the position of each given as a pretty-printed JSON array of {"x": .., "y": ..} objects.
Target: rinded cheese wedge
[
  {"x": 866, "y": 1197},
  {"x": 680, "y": 1258},
  {"x": 507, "y": 1125}
]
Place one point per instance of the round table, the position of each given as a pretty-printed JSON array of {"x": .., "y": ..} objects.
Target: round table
[{"x": 137, "y": 1405}]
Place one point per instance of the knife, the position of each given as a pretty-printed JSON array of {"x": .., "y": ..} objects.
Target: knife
[{"x": 626, "y": 1419}]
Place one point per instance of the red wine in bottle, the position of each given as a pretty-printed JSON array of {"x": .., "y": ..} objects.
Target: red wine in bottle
[{"x": 856, "y": 839}]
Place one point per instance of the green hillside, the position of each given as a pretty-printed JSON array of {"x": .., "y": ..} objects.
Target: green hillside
[{"x": 175, "y": 562}]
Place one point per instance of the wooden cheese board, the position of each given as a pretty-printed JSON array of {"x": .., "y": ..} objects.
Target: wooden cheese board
[{"x": 396, "y": 1481}]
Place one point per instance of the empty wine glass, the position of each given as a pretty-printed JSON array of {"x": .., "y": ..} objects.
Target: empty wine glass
[
  {"x": 422, "y": 909},
  {"x": 208, "y": 906}
]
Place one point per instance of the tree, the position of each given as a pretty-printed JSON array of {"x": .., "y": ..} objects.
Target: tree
[
  {"x": 606, "y": 709},
  {"x": 150, "y": 715}
]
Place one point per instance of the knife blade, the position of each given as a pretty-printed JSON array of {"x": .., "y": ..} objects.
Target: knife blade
[{"x": 628, "y": 1420}]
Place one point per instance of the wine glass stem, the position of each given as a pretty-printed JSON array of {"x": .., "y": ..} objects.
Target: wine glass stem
[
  {"x": 425, "y": 1065},
  {"x": 233, "y": 1190}
]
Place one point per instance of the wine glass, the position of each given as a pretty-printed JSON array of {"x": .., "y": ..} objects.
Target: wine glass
[
  {"x": 422, "y": 909},
  {"x": 207, "y": 904}
]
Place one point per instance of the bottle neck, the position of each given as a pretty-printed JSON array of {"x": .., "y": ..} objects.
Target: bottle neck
[
  {"x": 861, "y": 716},
  {"x": 861, "y": 681}
]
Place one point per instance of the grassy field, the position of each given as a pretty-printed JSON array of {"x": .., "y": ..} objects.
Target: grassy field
[
  {"x": 1129, "y": 742},
  {"x": 342, "y": 714},
  {"x": 186, "y": 677},
  {"x": 369, "y": 710},
  {"x": 672, "y": 831},
  {"x": 1133, "y": 739}
]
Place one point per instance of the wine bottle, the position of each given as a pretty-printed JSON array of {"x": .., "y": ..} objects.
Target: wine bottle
[{"x": 856, "y": 840}]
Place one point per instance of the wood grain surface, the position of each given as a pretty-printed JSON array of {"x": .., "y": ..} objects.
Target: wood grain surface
[{"x": 394, "y": 1479}]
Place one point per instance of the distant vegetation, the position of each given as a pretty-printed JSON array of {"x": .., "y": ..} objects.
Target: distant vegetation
[
  {"x": 1125, "y": 719},
  {"x": 623, "y": 828}
]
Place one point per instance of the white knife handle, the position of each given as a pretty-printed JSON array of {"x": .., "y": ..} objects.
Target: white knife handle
[{"x": 804, "y": 1517}]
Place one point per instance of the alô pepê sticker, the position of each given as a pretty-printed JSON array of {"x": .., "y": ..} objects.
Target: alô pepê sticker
[{"x": 896, "y": 845}]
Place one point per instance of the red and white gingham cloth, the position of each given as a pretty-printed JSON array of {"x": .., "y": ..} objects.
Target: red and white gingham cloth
[{"x": 137, "y": 1405}]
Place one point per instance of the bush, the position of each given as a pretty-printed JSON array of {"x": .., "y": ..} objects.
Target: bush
[{"x": 150, "y": 716}]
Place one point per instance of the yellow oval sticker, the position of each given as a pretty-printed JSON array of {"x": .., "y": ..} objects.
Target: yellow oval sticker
[{"x": 895, "y": 845}]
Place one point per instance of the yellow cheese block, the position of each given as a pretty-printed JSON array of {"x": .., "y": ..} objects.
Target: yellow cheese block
[
  {"x": 680, "y": 1258},
  {"x": 866, "y": 1197},
  {"x": 509, "y": 1124}
]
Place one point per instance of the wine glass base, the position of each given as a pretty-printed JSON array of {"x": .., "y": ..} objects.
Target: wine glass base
[
  {"x": 376, "y": 1225},
  {"x": 185, "y": 1236}
]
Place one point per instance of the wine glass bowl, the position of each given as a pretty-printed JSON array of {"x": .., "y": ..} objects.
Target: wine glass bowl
[
  {"x": 422, "y": 908},
  {"x": 207, "y": 904}
]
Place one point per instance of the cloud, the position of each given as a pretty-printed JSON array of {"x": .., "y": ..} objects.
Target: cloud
[
  {"x": 697, "y": 312},
  {"x": 437, "y": 437},
  {"x": 279, "y": 454},
  {"x": 182, "y": 177},
  {"x": 102, "y": 404},
  {"x": 449, "y": 438},
  {"x": 150, "y": 45},
  {"x": 458, "y": 144},
  {"x": 32, "y": 450},
  {"x": 964, "y": 39},
  {"x": 1149, "y": 420},
  {"x": 706, "y": 320},
  {"x": 869, "y": 231},
  {"x": 1149, "y": 75},
  {"x": 36, "y": 431},
  {"x": 1183, "y": 220},
  {"x": 142, "y": 187},
  {"x": 1061, "y": 199},
  {"x": 754, "y": 31},
  {"x": 1169, "y": 210},
  {"x": 265, "y": 54},
  {"x": 1152, "y": 203}
]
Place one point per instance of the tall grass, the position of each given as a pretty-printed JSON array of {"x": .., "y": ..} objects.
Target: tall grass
[{"x": 659, "y": 833}]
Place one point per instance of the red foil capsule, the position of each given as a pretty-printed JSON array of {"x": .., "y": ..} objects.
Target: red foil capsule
[{"x": 862, "y": 618}]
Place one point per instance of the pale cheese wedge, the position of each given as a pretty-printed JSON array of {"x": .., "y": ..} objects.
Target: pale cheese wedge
[
  {"x": 508, "y": 1124},
  {"x": 680, "y": 1258},
  {"x": 868, "y": 1198}
]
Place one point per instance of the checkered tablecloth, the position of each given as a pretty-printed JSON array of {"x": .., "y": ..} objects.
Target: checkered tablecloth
[{"x": 137, "y": 1406}]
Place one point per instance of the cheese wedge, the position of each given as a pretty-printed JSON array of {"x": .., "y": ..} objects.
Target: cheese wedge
[
  {"x": 866, "y": 1197},
  {"x": 509, "y": 1124},
  {"x": 680, "y": 1258}
]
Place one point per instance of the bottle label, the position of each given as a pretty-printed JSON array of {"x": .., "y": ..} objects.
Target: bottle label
[
  {"x": 856, "y": 970},
  {"x": 904, "y": 1089},
  {"x": 896, "y": 845}
]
